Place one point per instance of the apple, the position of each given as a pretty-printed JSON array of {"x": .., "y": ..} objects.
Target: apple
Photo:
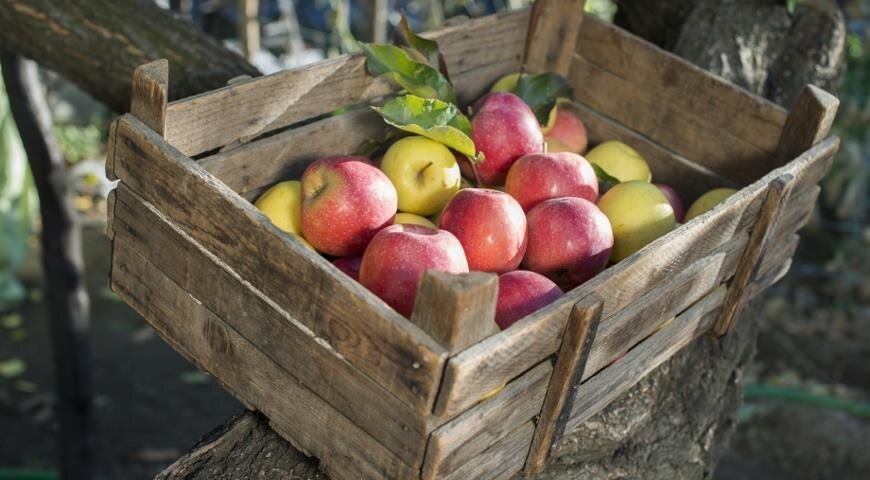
[
  {"x": 674, "y": 198},
  {"x": 620, "y": 161},
  {"x": 398, "y": 256},
  {"x": 520, "y": 293},
  {"x": 570, "y": 240},
  {"x": 565, "y": 131},
  {"x": 349, "y": 265},
  {"x": 542, "y": 176},
  {"x": 505, "y": 83},
  {"x": 491, "y": 227},
  {"x": 504, "y": 129},
  {"x": 639, "y": 213},
  {"x": 345, "y": 201},
  {"x": 410, "y": 218},
  {"x": 707, "y": 201},
  {"x": 424, "y": 172},
  {"x": 282, "y": 204}
]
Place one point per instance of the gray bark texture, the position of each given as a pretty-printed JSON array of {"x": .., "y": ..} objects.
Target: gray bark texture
[
  {"x": 677, "y": 422},
  {"x": 96, "y": 44}
]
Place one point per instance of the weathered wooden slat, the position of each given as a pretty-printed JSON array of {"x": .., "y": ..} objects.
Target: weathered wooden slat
[
  {"x": 570, "y": 363},
  {"x": 150, "y": 94},
  {"x": 296, "y": 413},
  {"x": 618, "y": 74},
  {"x": 495, "y": 360},
  {"x": 552, "y": 34},
  {"x": 808, "y": 123},
  {"x": 456, "y": 310},
  {"x": 269, "y": 329},
  {"x": 248, "y": 109},
  {"x": 759, "y": 239},
  {"x": 359, "y": 326},
  {"x": 499, "y": 462},
  {"x": 610, "y": 383},
  {"x": 487, "y": 423}
]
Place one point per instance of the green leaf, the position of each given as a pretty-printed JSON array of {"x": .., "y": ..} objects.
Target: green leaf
[
  {"x": 11, "y": 321},
  {"x": 440, "y": 121},
  {"x": 541, "y": 91},
  {"x": 194, "y": 377},
  {"x": 14, "y": 367},
  {"x": 604, "y": 176},
  {"x": 414, "y": 76},
  {"x": 428, "y": 48}
]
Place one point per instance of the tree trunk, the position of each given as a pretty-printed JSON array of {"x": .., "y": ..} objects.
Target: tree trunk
[
  {"x": 96, "y": 44},
  {"x": 66, "y": 296},
  {"x": 677, "y": 421}
]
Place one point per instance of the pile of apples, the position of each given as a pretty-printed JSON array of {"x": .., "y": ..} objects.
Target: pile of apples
[{"x": 541, "y": 224}]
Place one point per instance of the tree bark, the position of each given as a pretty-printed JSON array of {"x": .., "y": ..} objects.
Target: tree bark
[
  {"x": 96, "y": 44},
  {"x": 66, "y": 296}
]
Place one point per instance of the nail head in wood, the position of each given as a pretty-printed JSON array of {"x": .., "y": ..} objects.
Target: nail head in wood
[
  {"x": 151, "y": 94},
  {"x": 567, "y": 374},
  {"x": 554, "y": 26},
  {"x": 456, "y": 310},
  {"x": 765, "y": 225},
  {"x": 808, "y": 123}
]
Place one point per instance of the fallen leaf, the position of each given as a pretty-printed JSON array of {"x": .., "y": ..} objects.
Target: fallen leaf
[{"x": 12, "y": 368}]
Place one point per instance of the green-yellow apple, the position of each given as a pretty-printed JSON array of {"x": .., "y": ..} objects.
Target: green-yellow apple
[
  {"x": 639, "y": 213},
  {"x": 399, "y": 255},
  {"x": 620, "y": 161},
  {"x": 542, "y": 176},
  {"x": 520, "y": 293},
  {"x": 565, "y": 131},
  {"x": 412, "y": 219},
  {"x": 424, "y": 172},
  {"x": 491, "y": 227},
  {"x": 282, "y": 204},
  {"x": 504, "y": 129},
  {"x": 707, "y": 201},
  {"x": 569, "y": 240},
  {"x": 674, "y": 198},
  {"x": 505, "y": 83},
  {"x": 345, "y": 201}
]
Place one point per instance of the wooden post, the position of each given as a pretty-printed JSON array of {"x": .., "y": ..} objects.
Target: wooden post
[
  {"x": 456, "y": 310},
  {"x": 552, "y": 35},
  {"x": 249, "y": 27},
  {"x": 808, "y": 123},
  {"x": 66, "y": 296},
  {"x": 567, "y": 373},
  {"x": 151, "y": 94}
]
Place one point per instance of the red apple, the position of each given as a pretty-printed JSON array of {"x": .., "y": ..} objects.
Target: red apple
[
  {"x": 570, "y": 240},
  {"x": 345, "y": 201},
  {"x": 399, "y": 255},
  {"x": 349, "y": 265},
  {"x": 504, "y": 129},
  {"x": 674, "y": 199},
  {"x": 520, "y": 293},
  {"x": 542, "y": 176},
  {"x": 491, "y": 227},
  {"x": 566, "y": 132}
]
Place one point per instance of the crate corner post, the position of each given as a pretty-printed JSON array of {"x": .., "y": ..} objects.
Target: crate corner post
[
  {"x": 150, "y": 95},
  {"x": 554, "y": 26}
]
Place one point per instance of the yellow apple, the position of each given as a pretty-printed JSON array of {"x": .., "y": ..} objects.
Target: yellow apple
[
  {"x": 424, "y": 172},
  {"x": 505, "y": 83},
  {"x": 707, "y": 201},
  {"x": 410, "y": 218},
  {"x": 282, "y": 204},
  {"x": 639, "y": 213},
  {"x": 620, "y": 161}
]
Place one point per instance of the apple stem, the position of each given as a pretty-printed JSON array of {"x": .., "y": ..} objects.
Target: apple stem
[{"x": 476, "y": 175}]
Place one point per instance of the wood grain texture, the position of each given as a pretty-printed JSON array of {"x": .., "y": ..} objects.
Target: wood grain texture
[
  {"x": 808, "y": 123},
  {"x": 738, "y": 295},
  {"x": 359, "y": 326},
  {"x": 551, "y": 36},
  {"x": 497, "y": 359},
  {"x": 151, "y": 94},
  {"x": 269, "y": 328},
  {"x": 570, "y": 363},
  {"x": 456, "y": 310},
  {"x": 295, "y": 412},
  {"x": 110, "y": 151},
  {"x": 499, "y": 462},
  {"x": 201, "y": 123},
  {"x": 487, "y": 423},
  {"x": 678, "y": 105}
]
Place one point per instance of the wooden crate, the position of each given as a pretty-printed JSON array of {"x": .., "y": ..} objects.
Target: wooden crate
[{"x": 375, "y": 395}]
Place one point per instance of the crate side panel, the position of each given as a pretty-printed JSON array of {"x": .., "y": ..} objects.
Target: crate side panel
[
  {"x": 501, "y": 461},
  {"x": 269, "y": 329},
  {"x": 358, "y": 325},
  {"x": 493, "y": 361},
  {"x": 477, "y": 52},
  {"x": 309, "y": 421}
]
